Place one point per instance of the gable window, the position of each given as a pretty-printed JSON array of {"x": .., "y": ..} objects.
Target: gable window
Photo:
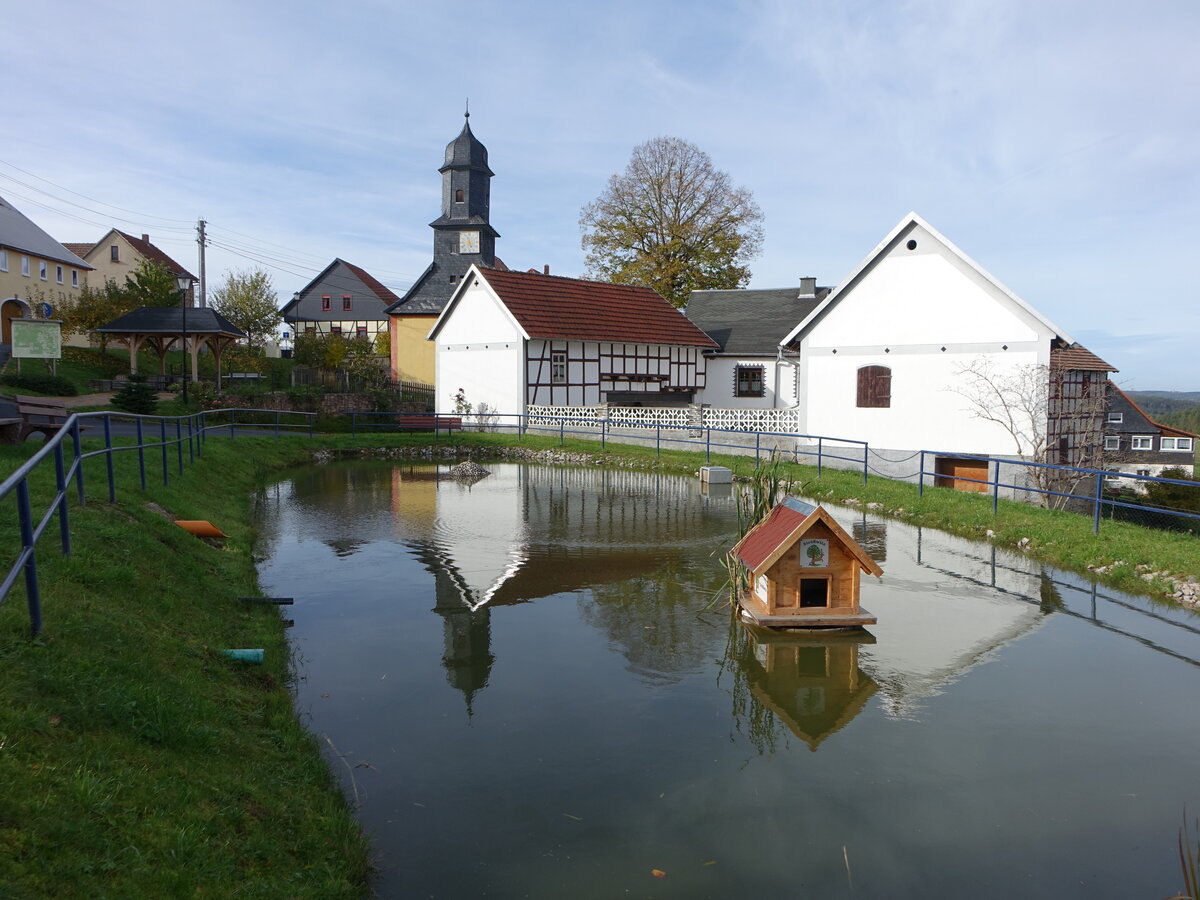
[
  {"x": 114, "y": 253},
  {"x": 25, "y": 266},
  {"x": 1175, "y": 443},
  {"x": 749, "y": 381},
  {"x": 3, "y": 260},
  {"x": 1116, "y": 418},
  {"x": 345, "y": 302},
  {"x": 74, "y": 278},
  {"x": 326, "y": 303},
  {"x": 58, "y": 274},
  {"x": 874, "y": 387},
  {"x": 1112, "y": 443},
  {"x": 42, "y": 269},
  {"x": 1143, "y": 442},
  {"x": 558, "y": 368},
  {"x": 458, "y": 196}
]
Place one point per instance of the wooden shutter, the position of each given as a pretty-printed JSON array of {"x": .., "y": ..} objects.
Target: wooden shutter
[{"x": 875, "y": 387}]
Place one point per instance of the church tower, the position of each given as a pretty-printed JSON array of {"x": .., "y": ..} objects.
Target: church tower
[{"x": 462, "y": 234}]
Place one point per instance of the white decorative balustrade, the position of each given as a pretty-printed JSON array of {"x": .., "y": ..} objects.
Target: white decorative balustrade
[{"x": 778, "y": 421}]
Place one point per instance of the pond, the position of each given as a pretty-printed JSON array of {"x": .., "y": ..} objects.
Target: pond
[{"x": 523, "y": 683}]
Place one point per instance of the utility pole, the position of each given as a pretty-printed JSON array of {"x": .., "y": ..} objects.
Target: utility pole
[{"x": 202, "y": 240}]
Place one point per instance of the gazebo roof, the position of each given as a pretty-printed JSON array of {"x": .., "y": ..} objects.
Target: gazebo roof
[{"x": 169, "y": 320}]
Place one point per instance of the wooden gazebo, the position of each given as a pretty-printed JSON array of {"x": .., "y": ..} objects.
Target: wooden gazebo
[{"x": 165, "y": 327}]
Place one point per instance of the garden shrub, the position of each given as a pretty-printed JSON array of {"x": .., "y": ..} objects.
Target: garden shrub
[{"x": 55, "y": 385}]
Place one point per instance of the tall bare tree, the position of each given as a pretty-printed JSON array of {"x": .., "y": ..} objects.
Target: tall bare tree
[
  {"x": 1040, "y": 407},
  {"x": 672, "y": 221}
]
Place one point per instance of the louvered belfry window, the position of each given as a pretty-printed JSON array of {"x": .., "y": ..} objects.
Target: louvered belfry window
[{"x": 875, "y": 386}]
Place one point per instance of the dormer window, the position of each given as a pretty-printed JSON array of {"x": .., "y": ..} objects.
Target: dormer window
[{"x": 458, "y": 196}]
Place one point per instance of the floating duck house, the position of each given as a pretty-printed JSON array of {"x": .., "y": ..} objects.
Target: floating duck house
[{"x": 804, "y": 570}]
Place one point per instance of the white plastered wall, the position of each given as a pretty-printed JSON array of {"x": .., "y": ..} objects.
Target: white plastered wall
[
  {"x": 719, "y": 384},
  {"x": 480, "y": 349},
  {"x": 901, "y": 312}
]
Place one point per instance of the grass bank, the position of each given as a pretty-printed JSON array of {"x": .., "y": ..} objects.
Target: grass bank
[{"x": 135, "y": 760}]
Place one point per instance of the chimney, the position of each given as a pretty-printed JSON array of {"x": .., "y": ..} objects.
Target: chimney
[
  {"x": 146, "y": 238},
  {"x": 546, "y": 269},
  {"x": 808, "y": 288}
]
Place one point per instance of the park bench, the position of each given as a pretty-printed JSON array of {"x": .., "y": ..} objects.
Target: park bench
[{"x": 43, "y": 414}]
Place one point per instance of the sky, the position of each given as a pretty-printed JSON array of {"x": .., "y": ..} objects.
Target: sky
[{"x": 1055, "y": 142}]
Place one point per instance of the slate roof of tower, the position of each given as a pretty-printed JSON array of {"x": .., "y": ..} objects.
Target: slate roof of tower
[
  {"x": 549, "y": 306},
  {"x": 17, "y": 232},
  {"x": 467, "y": 150},
  {"x": 750, "y": 321}
]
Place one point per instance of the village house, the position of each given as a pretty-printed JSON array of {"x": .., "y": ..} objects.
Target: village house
[
  {"x": 117, "y": 255},
  {"x": 517, "y": 341},
  {"x": 35, "y": 269},
  {"x": 1137, "y": 445},
  {"x": 343, "y": 299}
]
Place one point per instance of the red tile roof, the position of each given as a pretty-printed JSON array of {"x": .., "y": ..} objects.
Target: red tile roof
[
  {"x": 80, "y": 250},
  {"x": 1077, "y": 357},
  {"x": 377, "y": 287},
  {"x": 548, "y": 306},
  {"x": 762, "y": 540}
]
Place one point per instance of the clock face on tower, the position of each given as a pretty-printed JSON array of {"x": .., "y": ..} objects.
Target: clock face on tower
[{"x": 468, "y": 242}]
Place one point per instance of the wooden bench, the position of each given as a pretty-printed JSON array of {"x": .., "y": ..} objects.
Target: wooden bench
[
  {"x": 427, "y": 422},
  {"x": 43, "y": 414}
]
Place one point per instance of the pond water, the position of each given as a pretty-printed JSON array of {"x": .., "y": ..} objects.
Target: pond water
[{"x": 529, "y": 697}]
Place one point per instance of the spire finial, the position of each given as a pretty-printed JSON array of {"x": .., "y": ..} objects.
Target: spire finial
[{"x": 467, "y": 114}]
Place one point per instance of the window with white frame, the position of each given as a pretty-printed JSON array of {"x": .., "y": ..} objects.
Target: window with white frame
[
  {"x": 1116, "y": 418},
  {"x": 558, "y": 368},
  {"x": 1112, "y": 443},
  {"x": 25, "y": 266},
  {"x": 1143, "y": 442},
  {"x": 43, "y": 269},
  {"x": 3, "y": 260},
  {"x": 58, "y": 274},
  {"x": 74, "y": 278},
  {"x": 1176, "y": 443}
]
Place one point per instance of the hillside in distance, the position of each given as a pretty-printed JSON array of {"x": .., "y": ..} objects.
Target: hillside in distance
[{"x": 1160, "y": 404}]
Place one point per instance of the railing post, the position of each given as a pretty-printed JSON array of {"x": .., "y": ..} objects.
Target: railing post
[
  {"x": 231, "y": 428},
  {"x": 141, "y": 452},
  {"x": 1099, "y": 503},
  {"x": 191, "y": 445},
  {"x": 179, "y": 443},
  {"x": 866, "y": 451},
  {"x": 921, "y": 476},
  {"x": 276, "y": 424},
  {"x": 561, "y": 430},
  {"x": 60, "y": 479},
  {"x": 757, "y": 446},
  {"x": 603, "y": 432},
  {"x": 354, "y": 425},
  {"x": 708, "y": 445},
  {"x": 108, "y": 460},
  {"x": 820, "y": 447},
  {"x": 996, "y": 489},
  {"x": 657, "y": 439},
  {"x": 32, "y": 595},
  {"x": 312, "y": 421},
  {"x": 162, "y": 434},
  {"x": 79, "y": 462}
]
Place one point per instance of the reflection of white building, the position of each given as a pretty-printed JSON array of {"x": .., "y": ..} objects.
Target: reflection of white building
[{"x": 942, "y": 609}]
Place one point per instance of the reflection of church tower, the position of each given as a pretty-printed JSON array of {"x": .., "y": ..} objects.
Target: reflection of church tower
[{"x": 467, "y": 651}]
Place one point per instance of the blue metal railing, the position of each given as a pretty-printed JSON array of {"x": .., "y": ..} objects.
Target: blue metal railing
[{"x": 197, "y": 425}]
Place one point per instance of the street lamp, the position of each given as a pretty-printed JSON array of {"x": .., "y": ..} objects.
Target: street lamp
[{"x": 183, "y": 282}]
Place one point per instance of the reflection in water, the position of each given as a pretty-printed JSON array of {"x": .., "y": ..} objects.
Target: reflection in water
[
  {"x": 565, "y": 612},
  {"x": 807, "y": 681}
]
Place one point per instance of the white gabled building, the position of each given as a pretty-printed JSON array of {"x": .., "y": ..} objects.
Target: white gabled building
[{"x": 516, "y": 340}]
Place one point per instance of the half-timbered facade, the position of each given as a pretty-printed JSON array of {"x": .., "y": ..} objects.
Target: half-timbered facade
[
  {"x": 343, "y": 299},
  {"x": 513, "y": 340},
  {"x": 1135, "y": 444}
]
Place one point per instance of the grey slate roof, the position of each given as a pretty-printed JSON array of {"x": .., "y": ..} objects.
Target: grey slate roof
[
  {"x": 750, "y": 322},
  {"x": 19, "y": 233},
  {"x": 169, "y": 320}
]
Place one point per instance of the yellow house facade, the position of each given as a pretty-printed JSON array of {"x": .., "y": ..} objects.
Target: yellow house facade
[
  {"x": 412, "y": 355},
  {"x": 34, "y": 269}
]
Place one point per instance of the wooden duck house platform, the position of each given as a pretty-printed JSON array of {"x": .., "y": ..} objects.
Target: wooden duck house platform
[{"x": 804, "y": 570}]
